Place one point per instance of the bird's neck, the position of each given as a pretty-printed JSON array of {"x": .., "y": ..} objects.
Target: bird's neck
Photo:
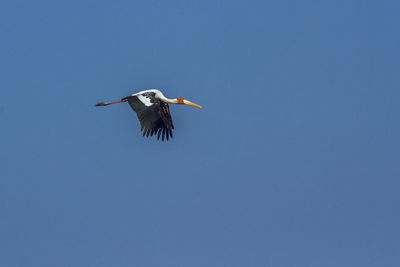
[
  {"x": 171, "y": 101},
  {"x": 167, "y": 100}
]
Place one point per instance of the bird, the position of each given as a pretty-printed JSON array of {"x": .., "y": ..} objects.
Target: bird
[{"x": 152, "y": 110}]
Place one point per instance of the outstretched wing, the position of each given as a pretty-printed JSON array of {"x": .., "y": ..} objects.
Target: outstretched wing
[{"x": 153, "y": 114}]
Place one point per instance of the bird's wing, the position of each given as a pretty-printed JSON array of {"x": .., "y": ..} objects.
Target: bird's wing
[{"x": 154, "y": 119}]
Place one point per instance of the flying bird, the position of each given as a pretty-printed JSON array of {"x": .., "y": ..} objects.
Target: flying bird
[{"x": 152, "y": 109}]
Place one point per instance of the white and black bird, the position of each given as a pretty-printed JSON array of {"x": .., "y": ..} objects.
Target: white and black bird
[{"x": 152, "y": 109}]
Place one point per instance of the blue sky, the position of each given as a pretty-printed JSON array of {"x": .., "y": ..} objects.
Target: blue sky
[{"x": 294, "y": 160}]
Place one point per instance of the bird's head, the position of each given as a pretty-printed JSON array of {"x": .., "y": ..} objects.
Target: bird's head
[{"x": 181, "y": 100}]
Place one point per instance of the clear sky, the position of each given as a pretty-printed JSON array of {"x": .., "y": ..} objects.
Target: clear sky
[{"x": 294, "y": 160}]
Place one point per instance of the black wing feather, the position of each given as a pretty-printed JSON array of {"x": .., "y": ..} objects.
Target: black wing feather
[{"x": 154, "y": 119}]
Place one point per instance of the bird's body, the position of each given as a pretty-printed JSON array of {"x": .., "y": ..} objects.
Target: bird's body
[
  {"x": 152, "y": 109},
  {"x": 153, "y": 114}
]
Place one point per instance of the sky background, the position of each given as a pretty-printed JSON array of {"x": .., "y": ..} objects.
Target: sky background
[{"x": 294, "y": 160}]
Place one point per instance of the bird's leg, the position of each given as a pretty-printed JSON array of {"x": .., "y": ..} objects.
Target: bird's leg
[{"x": 109, "y": 103}]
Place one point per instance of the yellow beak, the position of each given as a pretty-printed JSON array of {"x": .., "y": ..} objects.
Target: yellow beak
[{"x": 187, "y": 102}]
